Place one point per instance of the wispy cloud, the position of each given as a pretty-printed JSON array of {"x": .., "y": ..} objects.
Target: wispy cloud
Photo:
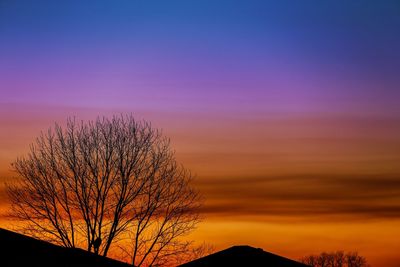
[{"x": 339, "y": 196}]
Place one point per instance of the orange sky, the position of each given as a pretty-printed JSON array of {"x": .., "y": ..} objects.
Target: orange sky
[{"x": 293, "y": 184}]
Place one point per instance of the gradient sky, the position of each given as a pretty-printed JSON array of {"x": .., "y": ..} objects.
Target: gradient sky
[{"x": 287, "y": 111}]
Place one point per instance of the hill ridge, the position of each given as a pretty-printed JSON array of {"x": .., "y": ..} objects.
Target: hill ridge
[{"x": 243, "y": 255}]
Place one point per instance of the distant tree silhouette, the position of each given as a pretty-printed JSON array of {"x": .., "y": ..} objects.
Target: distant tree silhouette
[
  {"x": 90, "y": 184},
  {"x": 335, "y": 259}
]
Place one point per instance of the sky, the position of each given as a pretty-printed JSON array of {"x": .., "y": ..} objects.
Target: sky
[{"x": 287, "y": 111}]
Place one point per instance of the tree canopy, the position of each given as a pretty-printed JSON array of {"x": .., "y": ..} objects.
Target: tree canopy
[{"x": 335, "y": 259}]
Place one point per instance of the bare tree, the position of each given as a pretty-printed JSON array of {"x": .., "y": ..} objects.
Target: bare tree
[
  {"x": 91, "y": 183},
  {"x": 175, "y": 255},
  {"x": 335, "y": 259}
]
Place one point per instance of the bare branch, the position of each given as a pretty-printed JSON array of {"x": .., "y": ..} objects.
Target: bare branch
[{"x": 89, "y": 183}]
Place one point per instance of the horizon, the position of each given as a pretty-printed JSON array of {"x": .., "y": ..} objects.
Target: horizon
[{"x": 288, "y": 113}]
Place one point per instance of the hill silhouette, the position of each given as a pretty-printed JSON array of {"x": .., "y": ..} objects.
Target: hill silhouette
[
  {"x": 20, "y": 250},
  {"x": 243, "y": 256}
]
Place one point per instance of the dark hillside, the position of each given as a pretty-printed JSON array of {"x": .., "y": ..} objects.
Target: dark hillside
[
  {"x": 243, "y": 256},
  {"x": 22, "y": 251}
]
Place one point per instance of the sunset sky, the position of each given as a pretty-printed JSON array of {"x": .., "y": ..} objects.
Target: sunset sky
[{"x": 288, "y": 112}]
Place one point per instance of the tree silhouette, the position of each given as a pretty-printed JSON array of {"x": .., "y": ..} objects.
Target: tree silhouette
[
  {"x": 335, "y": 259},
  {"x": 89, "y": 184}
]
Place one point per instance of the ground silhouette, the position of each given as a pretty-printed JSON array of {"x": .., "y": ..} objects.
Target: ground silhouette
[
  {"x": 20, "y": 250},
  {"x": 243, "y": 256}
]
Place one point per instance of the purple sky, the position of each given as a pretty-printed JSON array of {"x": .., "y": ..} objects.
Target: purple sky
[{"x": 335, "y": 57}]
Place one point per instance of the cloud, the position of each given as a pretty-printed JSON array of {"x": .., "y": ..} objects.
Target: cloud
[{"x": 304, "y": 196}]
